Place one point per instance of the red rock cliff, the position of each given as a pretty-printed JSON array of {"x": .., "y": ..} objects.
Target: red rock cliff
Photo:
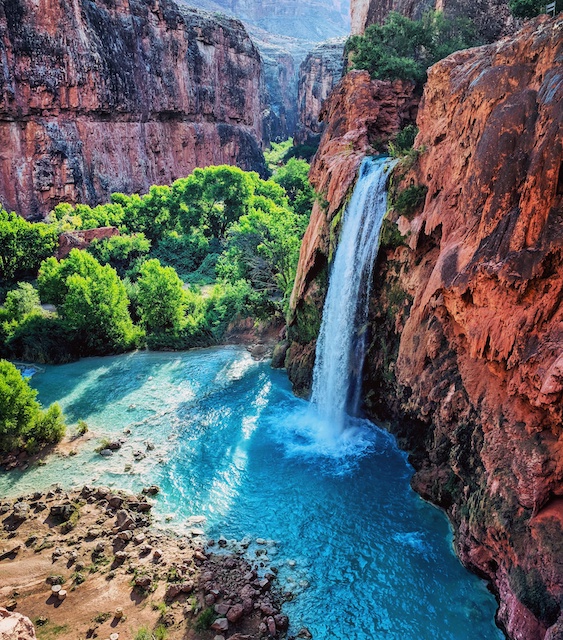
[
  {"x": 118, "y": 95},
  {"x": 466, "y": 353}
]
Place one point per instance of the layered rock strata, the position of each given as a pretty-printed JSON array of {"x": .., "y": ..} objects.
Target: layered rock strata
[
  {"x": 492, "y": 18},
  {"x": 318, "y": 74},
  {"x": 466, "y": 319},
  {"x": 116, "y": 96}
]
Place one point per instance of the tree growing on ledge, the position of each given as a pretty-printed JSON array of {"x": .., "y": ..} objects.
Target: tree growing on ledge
[
  {"x": 23, "y": 424},
  {"x": 402, "y": 48},
  {"x": 531, "y": 8}
]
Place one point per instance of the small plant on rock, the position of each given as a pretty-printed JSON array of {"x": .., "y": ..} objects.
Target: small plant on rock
[{"x": 205, "y": 619}]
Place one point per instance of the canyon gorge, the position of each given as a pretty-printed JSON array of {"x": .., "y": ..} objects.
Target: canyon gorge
[
  {"x": 116, "y": 96},
  {"x": 465, "y": 346},
  {"x": 464, "y": 331}
]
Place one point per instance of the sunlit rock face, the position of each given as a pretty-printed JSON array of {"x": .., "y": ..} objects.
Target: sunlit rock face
[
  {"x": 119, "y": 95},
  {"x": 318, "y": 74},
  {"x": 492, "y": 18},
  {"x": 466, "y": 344}
]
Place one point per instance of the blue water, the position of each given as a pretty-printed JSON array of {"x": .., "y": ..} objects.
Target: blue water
[{"x": 227, "y": 440}]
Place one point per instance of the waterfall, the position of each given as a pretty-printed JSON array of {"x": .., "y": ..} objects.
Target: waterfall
[{"x": 341, "y": 345}]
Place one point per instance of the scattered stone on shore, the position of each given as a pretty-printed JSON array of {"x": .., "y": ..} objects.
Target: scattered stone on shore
[{"x": 112, "y": 543}]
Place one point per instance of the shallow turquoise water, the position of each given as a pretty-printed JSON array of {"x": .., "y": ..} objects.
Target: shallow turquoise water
[{"x": 367, "y": 558}]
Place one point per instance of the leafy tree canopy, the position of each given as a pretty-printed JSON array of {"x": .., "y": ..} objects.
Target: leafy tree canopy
[
  {"x": 23, "y": 245},
  {"x": 22, "y": 421},
  {"x": 402, "y": 48},
  {"x": 161, "y": 297}
]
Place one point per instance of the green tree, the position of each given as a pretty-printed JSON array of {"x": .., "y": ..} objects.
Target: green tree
[
  {"x": 23, "y": 245},
  {"x": 263, "y": 248},
  {"x": 21, "y": 301},
  {"x": 92, "y": 302},
  {"x": 53, "y": 274},
  {"x": 95, "y": 310},
  {"x": 160, "y": 297},
  {"x": 214, "y": 197},
  {"x": 404, "y": 48},
  {"x": 121, "y": 252},
  {"x": 22, "y": 422},
  {"x": 294, "y": 178}
]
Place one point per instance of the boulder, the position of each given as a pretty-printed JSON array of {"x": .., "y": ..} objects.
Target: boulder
[
  {"x": 221, "y": 624},
  {"x": 235, "y": 613},
  {"x": 15, "y": 626}
]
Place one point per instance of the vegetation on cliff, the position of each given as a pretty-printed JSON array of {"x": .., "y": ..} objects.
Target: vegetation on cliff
[
  {"x": 402, "y": 48},
  {"x": 531, "y": 8},
  {"x": 219, "y": 226}
]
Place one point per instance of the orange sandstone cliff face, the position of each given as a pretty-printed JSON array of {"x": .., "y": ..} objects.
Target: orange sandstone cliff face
[
  {"x": 117, "y": 95},
  {"x": 466, "y": 319}
]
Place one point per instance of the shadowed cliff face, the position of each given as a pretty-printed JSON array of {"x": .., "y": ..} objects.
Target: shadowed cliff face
[
  {"x": 118, "y": 95},
  {"x": 466, "y": 318},
  {"x": 492, "y": 18}
]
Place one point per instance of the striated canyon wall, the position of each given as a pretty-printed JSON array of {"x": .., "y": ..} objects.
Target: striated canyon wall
[
  {"x": 466, "y": 319},
  {"x": 118, "y": 95},
  {"x": 492, "y": 18},
  {"x": 318, "y": 74}
]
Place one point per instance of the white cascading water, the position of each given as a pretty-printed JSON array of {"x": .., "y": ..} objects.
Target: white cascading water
[{"x": 341, "y": 343}]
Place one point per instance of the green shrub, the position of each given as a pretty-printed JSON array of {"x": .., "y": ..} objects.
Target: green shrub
[
  {"x": 531, "y": 8},
  {"x": 403, "y": 141},
  {"x": 21, "y": 301},
  {"x": 409, "y": 199},
  {"x": 22, "y": 421},
  {"x": 82, "y": 427},
  {"x": 143, "y": 634},
  {"x": 205, "y": 619}
]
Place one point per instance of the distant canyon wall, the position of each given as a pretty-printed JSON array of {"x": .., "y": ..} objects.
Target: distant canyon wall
[
  {"x": 117, "y": 95},
  {"x": 312, "y": 21},
  {"x": 318, "y": 74},
  {"x": 465, "y": 357},
  {"x": 492, "y": 18}
]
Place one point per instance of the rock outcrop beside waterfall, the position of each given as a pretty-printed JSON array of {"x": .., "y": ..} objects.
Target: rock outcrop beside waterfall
[
  {"x": 492, "y": 18},
  {"x": 466, "y": 344},
  {"x": 116, "y": 96},
  {"x": 358, "y": 114}
]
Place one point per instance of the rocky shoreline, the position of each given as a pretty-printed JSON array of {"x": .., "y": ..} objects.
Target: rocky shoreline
[{"x": 89, "y": 564}]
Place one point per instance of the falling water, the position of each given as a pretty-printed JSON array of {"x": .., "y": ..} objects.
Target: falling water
[{"x": 341, "y": 344}]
